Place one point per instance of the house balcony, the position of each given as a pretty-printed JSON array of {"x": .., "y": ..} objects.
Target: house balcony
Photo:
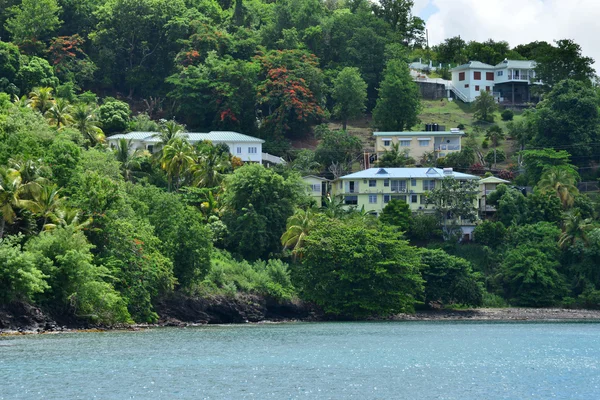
[{"x": 448, "y": 147}]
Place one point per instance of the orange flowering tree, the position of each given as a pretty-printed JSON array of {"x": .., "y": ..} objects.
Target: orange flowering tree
[{"x": 290, "y": 92}]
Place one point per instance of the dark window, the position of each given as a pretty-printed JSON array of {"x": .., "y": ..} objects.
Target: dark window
[
  {"x": 414, "y": 198},
  {"x": 477, "y": 88},
  {"x": 487, "y": 88},
  {"x": 386, "y": 182},
  {"x": 386, "y": 198},
  {"x": 150, "y": 148},
  {"x": 351, "y": 200},
  {"x": 477, "y": 75},
  {"x": 461, "y": 76},
  {"x": 467, "y": 85},
  {"x": 489, "y": 76},
  {"x": 372, "y": 183}
]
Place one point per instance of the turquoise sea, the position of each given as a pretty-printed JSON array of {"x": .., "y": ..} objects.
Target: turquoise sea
[{"x": 370, "y": 360}]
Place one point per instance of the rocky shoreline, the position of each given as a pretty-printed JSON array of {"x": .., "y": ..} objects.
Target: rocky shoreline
[
  {"x": 502, "y": 314},
  {"x": 179, "y": 310}
]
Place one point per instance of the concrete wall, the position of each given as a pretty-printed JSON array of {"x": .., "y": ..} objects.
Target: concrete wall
[{"x": 432, "y": 91}]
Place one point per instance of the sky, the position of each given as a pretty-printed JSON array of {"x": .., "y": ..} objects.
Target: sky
[{"x": 515, "y": 21}]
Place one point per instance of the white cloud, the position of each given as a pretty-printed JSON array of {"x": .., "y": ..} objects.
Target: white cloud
[{"x": 515, "y": 21}]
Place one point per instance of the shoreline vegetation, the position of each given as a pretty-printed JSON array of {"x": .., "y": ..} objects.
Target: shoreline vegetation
[
  {"x": 102, "y": 228},
  {"x": 509, "y": 314}
]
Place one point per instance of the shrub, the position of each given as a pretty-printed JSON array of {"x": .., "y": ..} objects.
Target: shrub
[
  {"x": 491, "y": 300},
  {"x": 507, "y": 115},
  {"x": 485, "y": 144}
]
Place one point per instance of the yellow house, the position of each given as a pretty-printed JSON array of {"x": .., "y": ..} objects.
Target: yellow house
[
  {"x": 441, "y": 143},
  {"x": 373, "y": 188},
  {"x": 316, "y": 188}
]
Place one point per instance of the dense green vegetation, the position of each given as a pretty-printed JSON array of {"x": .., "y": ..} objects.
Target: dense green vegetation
[{"x": 102, "y": 234}]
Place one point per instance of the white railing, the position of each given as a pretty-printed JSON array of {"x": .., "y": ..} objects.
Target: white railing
[{"x": 457, "y": 92}]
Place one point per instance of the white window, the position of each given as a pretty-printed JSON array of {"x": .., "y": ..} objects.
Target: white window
[
  {"x": 429, "y": 184},
  {"x": 372, "y": 183},
  {"x": 500, "y": 73},
  {"x": 239, "y": 150},
  {"x": 424, "y": 143},
  {"x": 387, "y": 142},
  {"x": 404, "y": 143},
  {"x": 316, "y": 188},
  {"x": 413, "y": 182},
  {"x": 372, "y": 199},
  {"x": 252, "y": 150},
  {"x": 386, "y": 182}
]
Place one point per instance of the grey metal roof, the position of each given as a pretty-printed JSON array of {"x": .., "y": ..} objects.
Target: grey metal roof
[
  {"x": 524, "y": 64},
  {"x": 273, "y": 159},
  {"x": 316, "y": 177},
  {"x": 213, "y": 136},
  {"x": 473, "y": 65},
  {"x": 406, "y": 173},
  {"x": 420, "y": 133}
]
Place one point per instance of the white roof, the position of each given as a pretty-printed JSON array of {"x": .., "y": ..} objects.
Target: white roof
[
  {"x": 213, "y": 136},
  {"x": 406, "y": 173}
]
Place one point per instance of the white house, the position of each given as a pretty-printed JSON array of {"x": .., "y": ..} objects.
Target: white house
[
  {"x": 470, "y": 79},
  {"x": 509, "y": 81},
  {"x": 247, "y": 148}
]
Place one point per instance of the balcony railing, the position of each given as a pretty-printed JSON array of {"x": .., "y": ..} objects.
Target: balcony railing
[{"x": 446, "y": 147}]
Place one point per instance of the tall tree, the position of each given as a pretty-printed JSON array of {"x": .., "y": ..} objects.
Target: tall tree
[
  {"x": 33, "y": 21},
  {"x": 485, "y": 106},
  {"x": 177, "y": 159},
  {"x": 564, "y": 61},
  {"x": 568, "y": 117},
  {"x": 453, "y": 199},
  {"x": 495, "y": 134},
  {"x": 349, "y": 94},
  {"x": 399, "y": 101},
  {"x": 85, "y": 121},
  {"x": 298, "y": 227},
  {"x": 131, "y": 38},
  {"x": 561, "y": 182},
  {"x": 257, "y": 203},
  {"x": 353, "y": 271}
]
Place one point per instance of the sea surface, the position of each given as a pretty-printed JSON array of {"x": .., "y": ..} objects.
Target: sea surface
[{"x": 371, "y": 360}]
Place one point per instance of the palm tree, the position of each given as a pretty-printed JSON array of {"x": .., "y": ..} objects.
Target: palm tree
[
  {"x": 131, "y": 161},
  {"x": 495, "y": 134},
  {"x": 67, "y": 217},
  {"x": 22, "y": 102},
  {"x": 12, "y": 195},
  {"x": 561, "y": 182},
  {"x": 574, "y": 228},
  {"x": 298, "y": 227},
  {"x": 211, "y": 166},
  {"x": 333, "y": 208},
  {"x": 46, "y": 203},
  {"x": 177, "y": 159},
  {"x": 30, "y": 170},
  {"x": 84, "y": 120},
  {"x": 41, "y": 99},
  {"x": 59, "y": 113},
  {"x": 169, "y": 130}
]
